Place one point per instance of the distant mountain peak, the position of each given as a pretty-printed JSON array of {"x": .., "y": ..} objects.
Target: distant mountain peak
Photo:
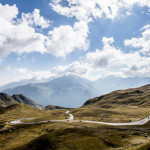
[{"x": 72, "y": 91}]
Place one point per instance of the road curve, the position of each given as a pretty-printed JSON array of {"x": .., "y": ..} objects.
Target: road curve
[
  {"x": 18, "y": 121},
  {"x": 71, "y": 119}
]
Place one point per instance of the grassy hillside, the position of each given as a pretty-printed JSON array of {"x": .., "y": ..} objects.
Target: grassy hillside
[
  {"x": 17, "y": 111},
  {"x": 132, "y": 97},
  {"x": 66, "y": 136},
  {"x": 118, "y": 106},
  {"x": 16, "y": 134},
  {"x": 76, "y": 136}
]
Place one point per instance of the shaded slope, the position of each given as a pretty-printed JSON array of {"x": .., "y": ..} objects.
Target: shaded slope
[
  {"x": 49, "y": 107},
  {"x": 23, "y": 99},
  {"x": 6, "y": 100}
]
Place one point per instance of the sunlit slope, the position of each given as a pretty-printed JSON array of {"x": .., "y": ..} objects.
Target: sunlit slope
[
  {"x": 132, "y": 97},
  {"x": 118, "y": 106}
]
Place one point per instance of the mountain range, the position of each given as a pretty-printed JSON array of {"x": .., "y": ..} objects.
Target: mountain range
[
  {"x": 121, "y": 106},
  {"x": 72, "y": 91},
  {"x": 24, "y": 82},
  {"x": 66, "y": 91}
]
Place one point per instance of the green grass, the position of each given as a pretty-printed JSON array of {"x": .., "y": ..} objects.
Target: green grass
[
  {"x": 118, "y": 114},
  {"x": 25, "y": 111},
  {"x": 130, "y": 97},
  {"x": 66, "y": 136},
  {"x": 74, "y": 136}
]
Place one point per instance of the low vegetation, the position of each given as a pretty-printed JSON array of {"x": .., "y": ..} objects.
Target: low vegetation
[
  {"x": 130, "y": 97},
  {"x": 60, "y": 136},
  {"x": 80, "y": 135}
]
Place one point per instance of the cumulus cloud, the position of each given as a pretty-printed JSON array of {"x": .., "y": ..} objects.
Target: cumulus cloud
[
  {"x": 75, "y": 68},
  {"x": 20, "y": 35},
  {"x": 108, "y": 56},
  {"x": 89, "y": 9},
  {"x": 35, "y": 19},
  {"x": 24, "y": 73},
  {"x": 138, "y": 69},
  {"x": 111, "y": 59},
  {"x": 107, "y": 41},
  {"x": 107, "y": 61},
  {"x": 9, "y": 12},
  {"x": 65, "y": 39},
  {"x": 142, "y": 43},
  {"x": 99, "y": 63},
  {"x": 17, "y": 35},
  {"x": 61, "y": 44}
]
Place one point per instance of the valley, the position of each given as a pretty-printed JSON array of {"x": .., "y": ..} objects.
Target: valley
[{"x": 92, "y": 126}]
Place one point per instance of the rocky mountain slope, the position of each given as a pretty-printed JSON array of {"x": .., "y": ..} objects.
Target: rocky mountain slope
[{"x": 6, "y": 100}]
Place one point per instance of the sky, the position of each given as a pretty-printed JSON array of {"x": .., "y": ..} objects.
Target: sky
[{"x": 89, "y": 38}]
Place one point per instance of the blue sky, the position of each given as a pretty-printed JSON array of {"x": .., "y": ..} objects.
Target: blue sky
[{"x": 92, "y": 38}]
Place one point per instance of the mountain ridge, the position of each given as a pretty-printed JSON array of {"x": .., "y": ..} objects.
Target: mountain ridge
[
  {"x": 66, "y": 91},
  {"x": 73, "y": 91},
  {"x": 6, "y": 100}
]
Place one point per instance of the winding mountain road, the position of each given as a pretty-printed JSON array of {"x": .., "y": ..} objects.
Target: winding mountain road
[{"x": 71, "y": 119}]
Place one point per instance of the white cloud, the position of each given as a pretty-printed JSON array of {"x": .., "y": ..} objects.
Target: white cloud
[
  {"x": 75, "y": 68},
  {"x": 17, "y": 74},
  {"x": 61, "y": 44},
  {"x": 20, "y": 70},
  {"x": 111, "y": 60},
  {"x": 142, "y": 43},
  {"x": 107, "y": 61},
  {"x": 16, "y": 35},
  {"x": 107, "y": 41},
  {"x": 137, "y": 2},
  {"x": 89, "y": 9},
  {"x": 108, "y": 56},
  {"x": 79, "y": 8},
  {"x": 100, "y": 63},
  {"x": 20, "y": 35},
  {"x": 34, "y": 18},
  {"x": 24, "y": 73},
  {"x": 9, "y": 12},
  {"x": 65, "y": 39}
]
